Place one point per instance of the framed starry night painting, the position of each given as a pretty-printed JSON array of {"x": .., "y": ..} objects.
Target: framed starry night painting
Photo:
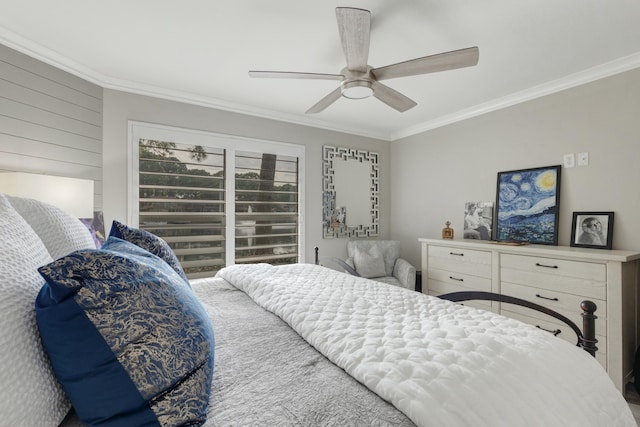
[{"x": 527, "y": 206}]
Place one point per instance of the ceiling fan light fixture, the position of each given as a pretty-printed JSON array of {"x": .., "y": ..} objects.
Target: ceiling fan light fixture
[{"x": 357, "y": 89}]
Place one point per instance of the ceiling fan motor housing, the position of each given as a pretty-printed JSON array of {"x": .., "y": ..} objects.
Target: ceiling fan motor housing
[{"x": 357, "y": 84}]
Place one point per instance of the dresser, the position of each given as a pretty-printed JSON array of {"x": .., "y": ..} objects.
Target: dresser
[{"x": 558, "y": 277}]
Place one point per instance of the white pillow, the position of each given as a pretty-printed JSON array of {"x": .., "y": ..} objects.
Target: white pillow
[
  {"x": 61, "y": 232},
  {"x": 369, "y": 263},
  {"x": 30, "y": 395}
]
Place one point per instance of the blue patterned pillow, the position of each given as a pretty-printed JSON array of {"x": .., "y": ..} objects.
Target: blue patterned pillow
[
  {"x": 149, "y": 242},
  {"x": 127, "y": 337}
]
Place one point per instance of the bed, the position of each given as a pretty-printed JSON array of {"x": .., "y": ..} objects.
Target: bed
[{"x": 298, "y": 345}]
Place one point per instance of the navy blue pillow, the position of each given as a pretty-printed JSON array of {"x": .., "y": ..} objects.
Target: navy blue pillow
[
  {"x": 127, "y": 337},
  {"x": 149, "y": 242}
]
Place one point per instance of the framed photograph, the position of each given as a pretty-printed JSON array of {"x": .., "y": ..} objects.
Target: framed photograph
[
  {"x": 527, "y": 205},
  {"x": 478, "y": 220},
  {"x": 592, "y": 230}
]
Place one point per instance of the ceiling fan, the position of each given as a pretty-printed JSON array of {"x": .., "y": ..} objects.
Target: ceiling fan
[{"x": 359, "y": 80}]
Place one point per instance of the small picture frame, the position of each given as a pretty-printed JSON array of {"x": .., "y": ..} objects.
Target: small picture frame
[
  {"x": 478, "y": 220},
  {"x": 592, "y": 230}
]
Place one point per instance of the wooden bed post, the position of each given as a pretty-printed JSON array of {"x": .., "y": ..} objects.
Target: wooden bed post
[
  {"x": 316, "y": 249},
  {"x": 589, "y": 327}
]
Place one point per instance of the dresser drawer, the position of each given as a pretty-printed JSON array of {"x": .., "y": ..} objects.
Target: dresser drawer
[
  {"x": 566, "y": 304},
  {"x": 585, "y": 279},
  {"x": 465, "y": 261},
  {"x": 458, "y": 281},
  {"x": 445, "y": 282},
  {"x": 566, "y": 333}
]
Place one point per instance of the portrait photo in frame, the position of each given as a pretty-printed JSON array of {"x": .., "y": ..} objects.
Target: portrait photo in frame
[
  {"x": 592, "y": 230},
  {"x": 478, "y": 220},
  {"x": 528, "y": 205}
]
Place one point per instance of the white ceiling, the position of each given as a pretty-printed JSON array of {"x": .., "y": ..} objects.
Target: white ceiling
[{"x": 199, "y": 51}]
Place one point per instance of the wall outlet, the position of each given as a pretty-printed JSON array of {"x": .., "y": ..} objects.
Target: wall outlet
[
  {"x": 569, "y": 160},
  {"x": 583, "y": 159}
]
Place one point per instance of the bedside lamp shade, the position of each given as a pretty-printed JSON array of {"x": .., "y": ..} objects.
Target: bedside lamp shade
[{"x": 72, "y": 195}]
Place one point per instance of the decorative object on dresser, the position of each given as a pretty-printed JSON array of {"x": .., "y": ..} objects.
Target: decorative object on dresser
[
  {"x": 557, "y": 277},
  {"x": 478, "y": 220},
  {"x": 527, "y": 205},
  {"x": 592, "y": 230},
  {"x": 447, "y": 232},
  {"x": 350, "y": 192}
]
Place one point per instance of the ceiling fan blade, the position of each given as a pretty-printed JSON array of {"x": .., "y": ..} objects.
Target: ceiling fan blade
[
  {"x": 294, "y": 75},
  {"x": 392, "y": 98},
  {"x": 354, "y": 26},
  {"x": 325, "y": 102},
  {"x": 429, "y": 64}
]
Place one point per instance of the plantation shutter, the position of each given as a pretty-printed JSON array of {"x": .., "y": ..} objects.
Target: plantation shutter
[
  {"x": 182, "y": 200},
  {"x": 266, "y": 208}
]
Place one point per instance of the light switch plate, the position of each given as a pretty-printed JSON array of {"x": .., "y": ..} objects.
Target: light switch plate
[
  {"x": 583, "y": 159},
  {"x": 569, "y": 160}
]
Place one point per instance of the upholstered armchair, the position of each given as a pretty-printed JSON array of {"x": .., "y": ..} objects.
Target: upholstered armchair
[{"x": 380, "y": 260}]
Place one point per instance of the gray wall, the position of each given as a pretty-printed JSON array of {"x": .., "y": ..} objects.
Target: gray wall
[
  {"x": 436, "y": 172},
  {"x": 50, "y": 121},
  {"x": 119, "y": 107}
]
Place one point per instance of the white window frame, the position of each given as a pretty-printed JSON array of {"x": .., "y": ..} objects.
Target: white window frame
[{"x": 231, "y": 143}]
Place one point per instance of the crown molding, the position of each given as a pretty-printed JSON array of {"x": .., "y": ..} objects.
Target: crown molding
[
  {"x": 202, "y": 101},
  {"x": 592, "y": 74},
  {"x": 48, "y": 56}
]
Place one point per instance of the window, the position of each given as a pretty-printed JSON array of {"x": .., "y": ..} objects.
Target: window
[
  {"x": 216, "y": 199},
  {"x": 266, "y": 208}
]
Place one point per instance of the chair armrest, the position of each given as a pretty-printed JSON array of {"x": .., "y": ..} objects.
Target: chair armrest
[
  {"x": 405, "y": 273},
  {"x": 347, "y": 268},
  {"x": 350, "y": 262}
]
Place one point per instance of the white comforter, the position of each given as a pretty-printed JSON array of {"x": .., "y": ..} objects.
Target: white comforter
[{"x": 440, "y": 363}]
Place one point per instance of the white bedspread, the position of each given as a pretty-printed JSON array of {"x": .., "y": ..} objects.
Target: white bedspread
[{"x": 440, "y": 363}]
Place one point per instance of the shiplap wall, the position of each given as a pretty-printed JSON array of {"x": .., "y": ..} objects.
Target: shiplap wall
[{"x": 50, "y": 121}]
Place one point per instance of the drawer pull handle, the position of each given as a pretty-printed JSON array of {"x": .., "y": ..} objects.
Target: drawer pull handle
[
  {"x": 547, "y": 298},
  {"x": 456, "y": 279},
  {"x": 546, "y": 266},
  {"x": 555, "y": 333},
  {"x": 456, "y": 253}
]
